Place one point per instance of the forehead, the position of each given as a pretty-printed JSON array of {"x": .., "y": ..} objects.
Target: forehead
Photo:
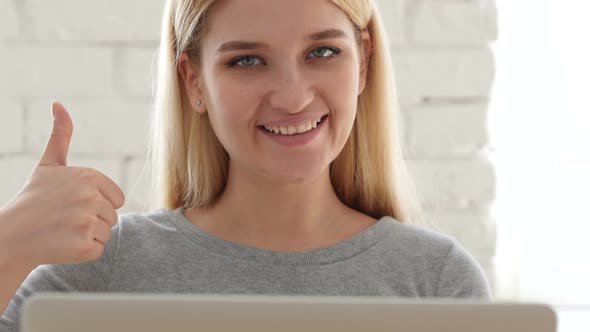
[{"x": 280, "y": 19}]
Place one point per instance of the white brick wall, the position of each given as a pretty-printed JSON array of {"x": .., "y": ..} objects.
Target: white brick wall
[
  {"x": 8, "y": 19},
  {"x": 137, "y": 67},
  {"x": 112, "y": 128},
  {"x": 454, "y": 184},
  {"x": 110, "y": 21},
  {"x": 96, "y": 57},
  {"x": 394, "y": 19},
  {"x": 32, "y": 71},
  {"x": 458, "y": 22},
  {"x": 449, "y": 74},
  {"x": 433, "y": 130},
  {"x": 11, "y": 127}
]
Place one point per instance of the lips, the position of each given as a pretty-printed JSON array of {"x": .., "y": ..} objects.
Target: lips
[
  {"x": 295, "y": 139},
  {"x": 293, "y": 129}
]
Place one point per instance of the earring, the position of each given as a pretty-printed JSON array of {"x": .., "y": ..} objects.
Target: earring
[{"x": 199, "y": 103}]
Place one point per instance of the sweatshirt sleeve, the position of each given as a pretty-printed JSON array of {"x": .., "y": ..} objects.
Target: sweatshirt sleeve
[
  {"x": 461, "y": 276},
  {"x": 76, "y": 277}
]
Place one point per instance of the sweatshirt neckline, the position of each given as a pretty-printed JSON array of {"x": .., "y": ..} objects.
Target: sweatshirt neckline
[{"x": 336, "y": 252}]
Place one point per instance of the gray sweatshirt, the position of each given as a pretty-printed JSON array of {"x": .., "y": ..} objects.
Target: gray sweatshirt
[{"x": 162, "y": 252}]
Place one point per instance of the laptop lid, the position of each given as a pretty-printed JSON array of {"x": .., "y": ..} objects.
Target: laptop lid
[{"x": 74, "y": 312}]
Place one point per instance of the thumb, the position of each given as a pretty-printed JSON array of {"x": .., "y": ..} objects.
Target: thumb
[{"x": 56, "y": 152}]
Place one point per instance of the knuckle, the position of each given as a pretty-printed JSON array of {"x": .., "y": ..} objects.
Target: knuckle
[
  {"x": 91, "y": 197},
  {"x": 85, "y": 225},
  {"x": 89, "y": 219},
  {"x": 86, "y": 173}
]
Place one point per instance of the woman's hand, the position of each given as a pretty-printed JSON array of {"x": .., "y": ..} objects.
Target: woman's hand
[{"x": 62, "y": 214}]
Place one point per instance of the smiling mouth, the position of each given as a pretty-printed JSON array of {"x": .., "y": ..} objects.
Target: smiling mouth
[{"x": 293, "y": 130}]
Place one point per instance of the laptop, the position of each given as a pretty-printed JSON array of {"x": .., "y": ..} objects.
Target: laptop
[{"x": 116, "y": 312}]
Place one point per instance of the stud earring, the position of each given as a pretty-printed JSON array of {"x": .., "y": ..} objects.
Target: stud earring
[{"x": 199, "y": 102}]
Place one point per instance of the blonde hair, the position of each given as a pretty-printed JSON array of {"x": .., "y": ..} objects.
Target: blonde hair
[{"x": 189, "y": 165}]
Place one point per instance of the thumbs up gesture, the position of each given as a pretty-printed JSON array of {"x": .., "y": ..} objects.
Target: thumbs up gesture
[{"x": 62, "y": 214}]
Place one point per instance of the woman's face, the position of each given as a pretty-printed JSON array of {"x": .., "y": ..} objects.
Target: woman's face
[{"x": 280, "y": 65}]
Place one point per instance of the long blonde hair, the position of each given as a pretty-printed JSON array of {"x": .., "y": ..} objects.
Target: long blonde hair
[{"x": 189, "y": 165}]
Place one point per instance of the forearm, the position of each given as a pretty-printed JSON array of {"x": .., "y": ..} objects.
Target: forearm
[
  {"x": 10, "y": 280},
  {"x": 12, "y": 274}
]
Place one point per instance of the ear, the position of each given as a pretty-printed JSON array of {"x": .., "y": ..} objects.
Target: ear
[
  {"x": 366, "y": 51},
  {"x": 190, "y": 78}
]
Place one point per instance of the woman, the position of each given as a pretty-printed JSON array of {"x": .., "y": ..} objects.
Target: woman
[{"x": 277, "y": 164}]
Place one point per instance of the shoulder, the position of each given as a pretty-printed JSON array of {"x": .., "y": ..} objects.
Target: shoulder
[
  {"x": 453, "y": 271},
  {"x": 420, "y": 240},
  {"x": 144, "y": 233},
  {"x": 149, "y": 234},
  {"x": 142, "y": 224}
]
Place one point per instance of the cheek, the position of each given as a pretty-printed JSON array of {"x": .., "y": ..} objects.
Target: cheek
[
  {"x": 342, "y": 78},
  {"x": 341, "y": 95},
  {"x": 340, "y": 91},
  {"x": 232, "y": 97},
  {"x": 233, "y": 105}
]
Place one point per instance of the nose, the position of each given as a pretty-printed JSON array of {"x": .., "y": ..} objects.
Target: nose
[{"x": 291, "y": 91}]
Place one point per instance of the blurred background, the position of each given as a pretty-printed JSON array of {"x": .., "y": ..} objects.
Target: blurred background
[{"x": 493, "y": 97}]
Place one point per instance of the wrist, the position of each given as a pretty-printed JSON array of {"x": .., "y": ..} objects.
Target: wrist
[
  {"x": 9, "y": 262},
  {"x": 4, "y": 260}
]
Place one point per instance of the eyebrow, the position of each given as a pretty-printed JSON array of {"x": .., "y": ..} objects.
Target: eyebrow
[{"x": 242, "y": 45}]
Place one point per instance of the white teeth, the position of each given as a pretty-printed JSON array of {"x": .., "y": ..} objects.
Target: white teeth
[{"x": 292, "y": 130}]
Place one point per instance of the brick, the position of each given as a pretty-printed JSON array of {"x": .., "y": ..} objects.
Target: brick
[
  {"x": 394, "y": 18},
  {"x": 454, "y": 185},
  {"x": 39, "y": 71},
  {"x": 95, "y": 21},
  {"x": 101, "y": 128},
  {"x": 15, "y": 173},
  {"x": 448, "y": 75},
  {"x": 137, "y": 186},
  {"x": 457, "y": 130},
  {"x": 138, "y": 69},
  {"x": 8, "y": 19},
  {"x": 453, "y": 22},
  {"x": 11, "y": 127}
]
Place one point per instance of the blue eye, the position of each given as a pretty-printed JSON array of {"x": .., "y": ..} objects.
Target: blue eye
[
  {"x": 250, "y": 61},
  {"x": 244, "y": 61},
  {"x": 325, "y": 52}
]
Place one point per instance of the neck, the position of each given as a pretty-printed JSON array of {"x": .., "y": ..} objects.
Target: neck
[{"x": 263, "y": 212}]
